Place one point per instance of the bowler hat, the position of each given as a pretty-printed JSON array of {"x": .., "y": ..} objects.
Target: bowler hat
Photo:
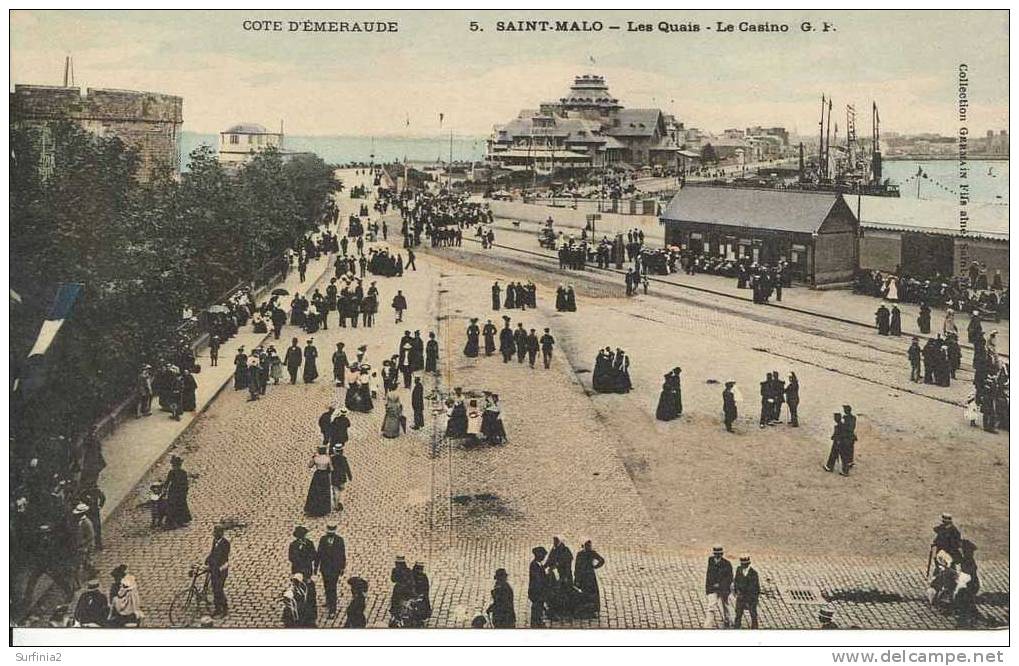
[
  {"x": 501, "y": 573},
  {"x": 717, "y": 550},
  {"x": 300, "y": 531}
]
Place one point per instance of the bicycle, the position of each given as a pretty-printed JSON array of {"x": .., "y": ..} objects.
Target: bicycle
[{"x": 190, "y": 604}]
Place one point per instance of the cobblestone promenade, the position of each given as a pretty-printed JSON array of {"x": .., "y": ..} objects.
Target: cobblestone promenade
[{"x": 652, "y": 497}]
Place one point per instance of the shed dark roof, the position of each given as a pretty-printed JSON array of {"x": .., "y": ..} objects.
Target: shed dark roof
[{"x": 781, "y": 210}]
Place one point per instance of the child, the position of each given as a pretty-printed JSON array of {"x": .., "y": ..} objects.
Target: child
[
  {"x": 157, "y": 504},
  {"x": 214, "y": 344}
]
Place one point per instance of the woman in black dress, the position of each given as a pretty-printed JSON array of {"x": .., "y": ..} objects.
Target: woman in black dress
[
  {"x": 456, "y": 424},
  {"x": 190, "y": 387},
  {"x": 175, "y": 491},
  {"x": 601, "y": 378},
  {"x": 669, "y": 401},
  {"x": 355, "y": 609},
  {"x": 432, "y": 354},
  {"x": 473, "y": 334},
  {"x": 320, "y": 494},
  {"x": 586, "y": 580},
  {"x": 240, "y": 370}
]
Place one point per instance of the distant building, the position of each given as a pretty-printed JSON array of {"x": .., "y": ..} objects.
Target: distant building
[
  {"x": 779, "y": 132},
  {"x": 243, "y": 141},
  {"x": 586, "y": 128},
  {"x": 147, "y": 122}
]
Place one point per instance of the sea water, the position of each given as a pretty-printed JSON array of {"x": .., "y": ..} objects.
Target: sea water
[
  {"x": 346, "y": 149},
  {"x": 988, "y": 179}
]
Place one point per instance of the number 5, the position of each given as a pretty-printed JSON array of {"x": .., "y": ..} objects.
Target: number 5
[{"x": 474, "y": 26}]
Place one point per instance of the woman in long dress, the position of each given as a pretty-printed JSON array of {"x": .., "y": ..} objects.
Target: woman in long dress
[
  {"x": 240, "y": 370},
  {"x": 175, "y": 492},
  {"x": 601, "y": 377},
  {"x": 394, "y": 414},
  {"x": 320, "y": 493},
  {"x": 474, "y": 421},
  {"x": 949, "y": 325},
  {"x": 668, "y": 401},
  {"x": 891, "y": 289},
  {"x": 923, "y": 321},
  {"x": 456, "y": 423},
  {"x": 310, "y": 362},
  {"x": 571, "y": 299},
  {"x": 188, "y": 389},
  {"x": 125, "y": 606},
  {"x": 489, "y": 332},
  {"x": 473, "y": 333},
  {"x": 491, "y": 421},
  {"x": 895, "y": 323},
  {"x": 431, "y": 354},
  {"x": 621, "y": 368},
  {"x": 275, "y": 366},
  {"x": 585, "y": 578}
]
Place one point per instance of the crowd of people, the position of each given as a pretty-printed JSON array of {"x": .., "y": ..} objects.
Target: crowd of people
[
  {"x": 519, "y": 295},
  {"x": 611, "y": 372},
  {"x": 966, "y": 293}
]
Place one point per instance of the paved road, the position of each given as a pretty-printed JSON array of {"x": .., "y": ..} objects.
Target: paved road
[{"x": 653, "y": 497}]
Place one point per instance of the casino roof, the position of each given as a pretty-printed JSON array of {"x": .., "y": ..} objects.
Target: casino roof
[
  {"x": 635, "y": 122},
  {"x": 779, "y": 210}
]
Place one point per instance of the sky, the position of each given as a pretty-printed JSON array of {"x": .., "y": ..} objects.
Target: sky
[{"x": 372, "y": 84}]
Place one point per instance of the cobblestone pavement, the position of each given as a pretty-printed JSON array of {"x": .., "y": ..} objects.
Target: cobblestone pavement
[{"x": 653, "y": 497}]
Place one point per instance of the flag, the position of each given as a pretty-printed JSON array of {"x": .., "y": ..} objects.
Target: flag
[
  {"x": 63, "y": 304},
  {"x": 441, "y": 116},
  {"x": 408, "y": 120},
  {"x": 591, "y": 58}
]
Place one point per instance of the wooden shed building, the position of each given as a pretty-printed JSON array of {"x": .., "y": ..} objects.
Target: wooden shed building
[{"x": 816, "y": 233}]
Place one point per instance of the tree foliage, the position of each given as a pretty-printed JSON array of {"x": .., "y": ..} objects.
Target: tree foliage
[{"x": 144, "y": 251}]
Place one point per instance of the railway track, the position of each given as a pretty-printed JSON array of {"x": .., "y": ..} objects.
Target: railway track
[{"x": 721, "y": 294}]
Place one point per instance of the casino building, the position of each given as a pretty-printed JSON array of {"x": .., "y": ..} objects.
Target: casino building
[{"x": 586, "y": 128}]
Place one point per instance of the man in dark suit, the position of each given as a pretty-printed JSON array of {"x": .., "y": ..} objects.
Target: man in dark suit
[
  {"x": 293, "y": 360},
  {"x": 506, "y": 341},
  {"x": 218, "y": 562},
  {"x": 93, "y": 609},
  {"x": 547, "y": 343},
  {"x": 340, "y": 365},
  {"x": 532, "y": 347},
  {"x": 747, "y": 586},
  {"x": 301, "y": 553},
  {"x": 717, "y": 585},
  {"x": 729, "y": 405},
  {"x": 339, "y": 428},
  {"x": 325, "y": 423},
  {"x": 331, "y": 560},
  {"x": 536, "y": 587},
  {"x": 849, "y": 428},
  {"x": 520, "y": 341},
  {"x": 417, "y": 403}
]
